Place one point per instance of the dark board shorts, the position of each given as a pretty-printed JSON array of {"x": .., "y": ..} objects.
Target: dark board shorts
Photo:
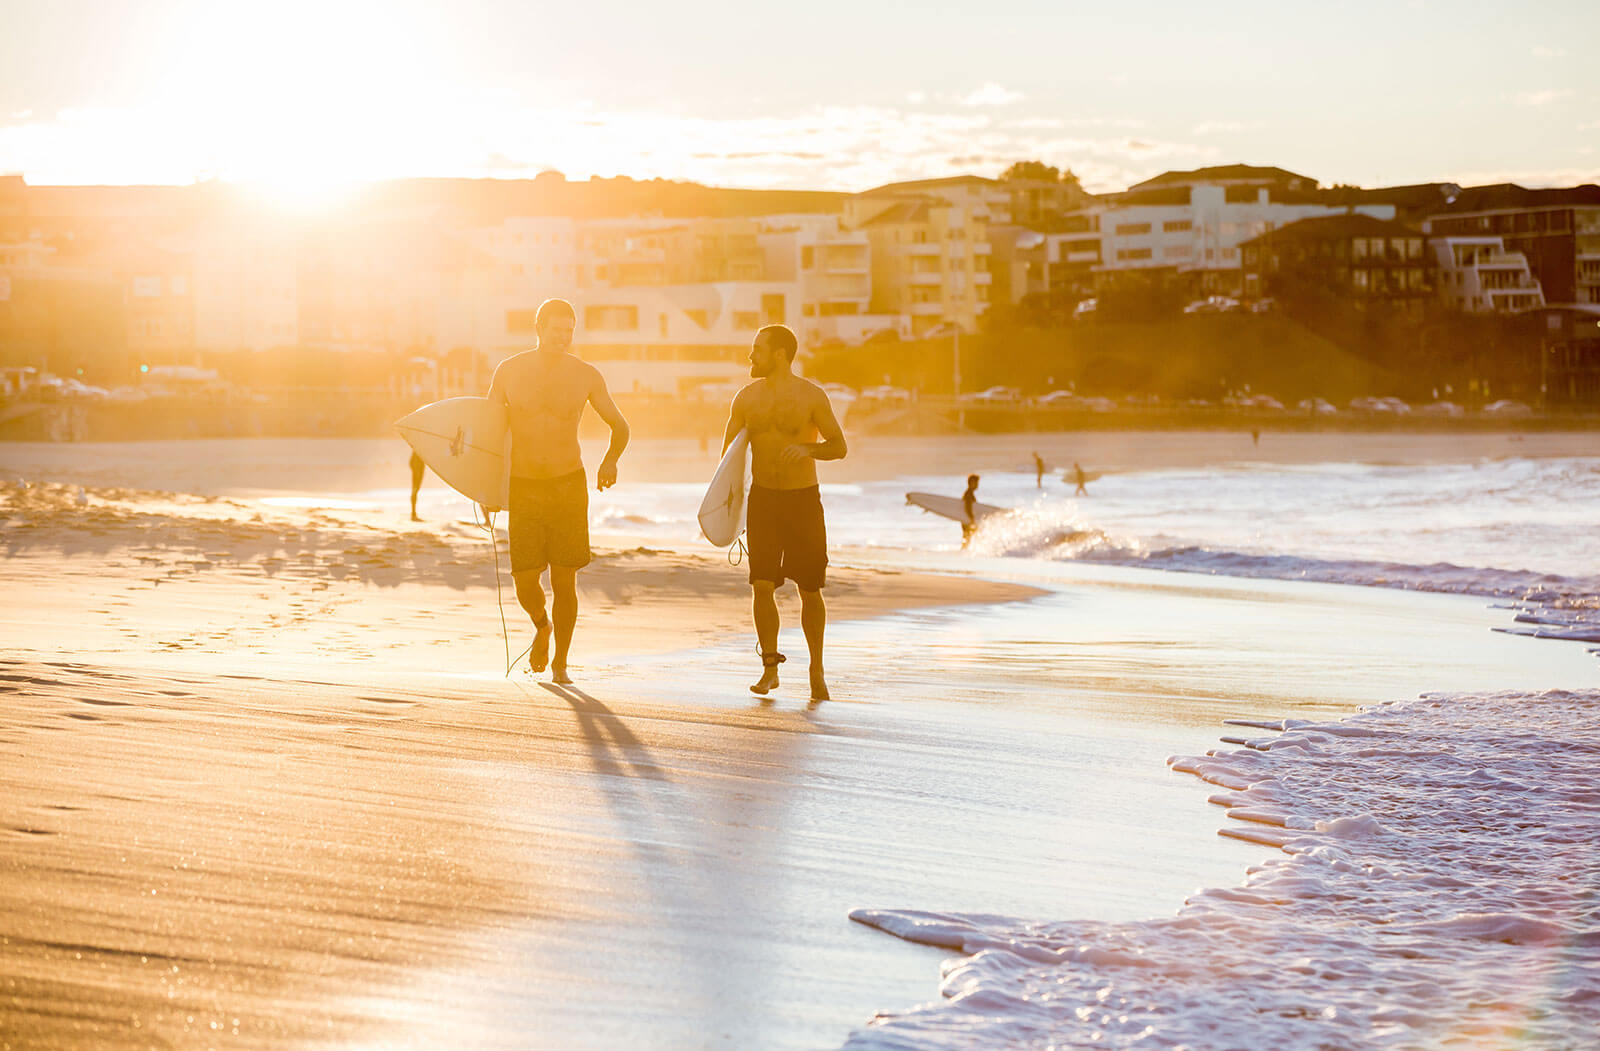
[
  {"x": 787, "y": 537},
  {"x": 549, "y": 522}
]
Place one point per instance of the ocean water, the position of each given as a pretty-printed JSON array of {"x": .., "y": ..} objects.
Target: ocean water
[
  {"x": 1440, "y": 888},
  {"x": 1522, "y": 531}
]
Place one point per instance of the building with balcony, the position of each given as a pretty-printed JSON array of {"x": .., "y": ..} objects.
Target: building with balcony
[
  {"x": 1556, "y": 230},
  {"x": 668, "y": 339},
  {"x": 833, "y": 269},
  {"x": 1567, "y": 340},
  {"x": 1180, "y": 224},
  {"x": 1477, "y": 275},
  {"x": 1362, "y": 260},
  {"x": 930, "y": 250}
]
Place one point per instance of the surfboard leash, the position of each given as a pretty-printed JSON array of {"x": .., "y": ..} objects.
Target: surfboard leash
[
  {"x": 487, "y": 525},
  {"x": 737, "y": 552}
]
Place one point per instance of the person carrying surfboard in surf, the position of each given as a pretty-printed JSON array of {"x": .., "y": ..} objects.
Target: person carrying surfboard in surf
[
  {"x": 784, "y": 416},
  {"x": 545, "y": 391}
]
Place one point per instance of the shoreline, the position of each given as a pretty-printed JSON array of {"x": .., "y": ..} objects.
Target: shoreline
[{"x": 266, "y": 785}]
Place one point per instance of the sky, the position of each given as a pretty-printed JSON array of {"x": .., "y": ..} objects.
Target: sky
[{"x": 826, "y": 94}]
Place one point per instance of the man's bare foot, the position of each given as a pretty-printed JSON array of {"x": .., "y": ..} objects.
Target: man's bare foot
[
  {"x": 819, "y": 689},
  {"x": 559, "y": 676},
  {"x": 539, "y": 653},
  {"x": 769, "y": 674}
]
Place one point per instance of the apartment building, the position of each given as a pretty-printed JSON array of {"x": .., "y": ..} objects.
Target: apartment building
[
  {"x": 1193, "y": 223},
  {"x": 674, "y": 339},
  {"x": 930, "y": 248},
  {"x": 1478, "y": 276},
  {"x": 1367, "y": 261},
  {"x": 1556, "y": 230}
]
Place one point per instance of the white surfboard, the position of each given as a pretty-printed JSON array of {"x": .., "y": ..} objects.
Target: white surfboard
[
  {"x": 465, "y": 441},
  {"x": 950, "y": 506},
  {"x": 722, "y": 511}
]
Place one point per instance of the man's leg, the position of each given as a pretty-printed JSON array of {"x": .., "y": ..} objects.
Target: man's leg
[
  {"x": 764, "y": 611},
  {"x": 531, "y": 597},
  {"x": 813, "y": 619},
  {"x": 564, "y": 610}
]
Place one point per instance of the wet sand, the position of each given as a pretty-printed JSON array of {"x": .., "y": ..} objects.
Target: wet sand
[{"x": 262, "y": 782}]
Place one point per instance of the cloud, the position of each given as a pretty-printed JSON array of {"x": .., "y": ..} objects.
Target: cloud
[
  {"x": 820, "y": 147},
  {"x": 1220, "y": 127},
  {"x": 916, "y": 98},
  {"x": 992, "y": 94},
  {"x": 1531, "y": 177},
  {"x": 1549, "y": 52},
  {"x": 1542, "y": 98}
]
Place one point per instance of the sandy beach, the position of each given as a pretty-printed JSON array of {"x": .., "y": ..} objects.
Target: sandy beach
[{"x": 265, "y": 783}]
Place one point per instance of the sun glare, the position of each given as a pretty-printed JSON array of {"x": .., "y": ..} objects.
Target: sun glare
[{"x": 303, "y": 103}]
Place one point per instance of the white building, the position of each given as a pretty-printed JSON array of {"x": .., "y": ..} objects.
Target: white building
[
  {"x": 1197, "y": 229},
  {"x": 1478, "y": 275}
]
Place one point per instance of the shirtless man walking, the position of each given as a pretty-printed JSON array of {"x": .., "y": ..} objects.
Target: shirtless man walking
[
  {"x": 545, "y": 390},
  {"x": 785, "y": 415}
]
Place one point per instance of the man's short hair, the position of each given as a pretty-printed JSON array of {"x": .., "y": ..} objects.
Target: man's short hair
[
  {"x": 782, "y": 337},
  {"x": 554, "y": 308}
]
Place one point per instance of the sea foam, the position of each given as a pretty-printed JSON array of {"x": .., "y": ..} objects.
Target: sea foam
[{"x": 1441, "y": 889}]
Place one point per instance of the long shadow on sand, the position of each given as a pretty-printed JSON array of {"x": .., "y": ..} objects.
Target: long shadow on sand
[{"x": 612, "y": 746}]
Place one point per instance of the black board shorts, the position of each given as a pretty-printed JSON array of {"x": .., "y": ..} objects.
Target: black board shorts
[
  {"x": 787, "y": 537},
  {"x": 549, "y": 522}
]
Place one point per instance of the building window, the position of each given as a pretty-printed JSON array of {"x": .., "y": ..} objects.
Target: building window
[
  {"x": 808, "y": 257},
  {"x": 1176, "y": 226},
  {"x": 521, "y": 320},
  {"x": 746, "y": 320},
  {"x": 611, "y": 318},
  {"x": 1132, "y": 229},
  {"x": 773, "y": 308},
  {"x": 1126, "y": 254}
]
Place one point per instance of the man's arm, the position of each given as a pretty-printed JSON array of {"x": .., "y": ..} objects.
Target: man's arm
[
  {"x": 832, "y": 446},
  {"x": 600, "y": 398},
  {"x": 735, "y": 421}
]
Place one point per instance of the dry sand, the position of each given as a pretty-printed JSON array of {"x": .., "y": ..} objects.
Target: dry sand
[
  {"x": 263, "y": 784},
  {"x": 249, "y": 786}
]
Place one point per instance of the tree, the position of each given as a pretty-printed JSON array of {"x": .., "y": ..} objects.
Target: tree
[{"x": 1038, "y": 170}]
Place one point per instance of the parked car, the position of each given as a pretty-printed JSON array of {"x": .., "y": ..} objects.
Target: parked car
[
  {"x": 839, "y": 392},
  {"x": 1261, "y": 401},
  {"x": 1084, "y": 308},
  {"x": 1056, "y": 399},
  {"x": 1317, "y": 407},
  {"x": 1389, "y": 406},
  {"x": 1263, "y": 306},
  {"x": 1441, "y": 408},
  {"x": 1212, "y": 305},
  {"x": 884, "y": 394},
  {"x": 995, "y": 396},
  {"x": 1507, "y": 407}
]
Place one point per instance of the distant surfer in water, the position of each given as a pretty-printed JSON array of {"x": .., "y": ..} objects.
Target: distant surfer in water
[
  {"x": 969, "y": 500},
  {"x": 545, "y": 390},
  {"x": 1081, "y": 478},
  {"x": 784, "y": 416},
  {"x": 1038, "y": 470}
]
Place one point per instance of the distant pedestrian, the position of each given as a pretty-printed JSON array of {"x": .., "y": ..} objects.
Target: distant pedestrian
[
  {"x": 1255, "y": 436},
  {"x": 1038, "y": 470},
  {"x": 417, "y": 468},
  {"x": 1081, "y": 478},
  {"x": 969, "y": 500}
]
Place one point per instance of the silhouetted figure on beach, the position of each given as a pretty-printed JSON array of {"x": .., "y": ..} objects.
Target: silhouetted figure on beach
[
  {"x": 545, "y": 391},
  {"x": 969, "y": 500},
  {"x": 1081, "y": 478},
  {"x": 1255, "y": 436},
  {"x": 787, "y": 536},
  {"x": 417, "y": 467},
  {"x": 1038, "y": 470}
]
